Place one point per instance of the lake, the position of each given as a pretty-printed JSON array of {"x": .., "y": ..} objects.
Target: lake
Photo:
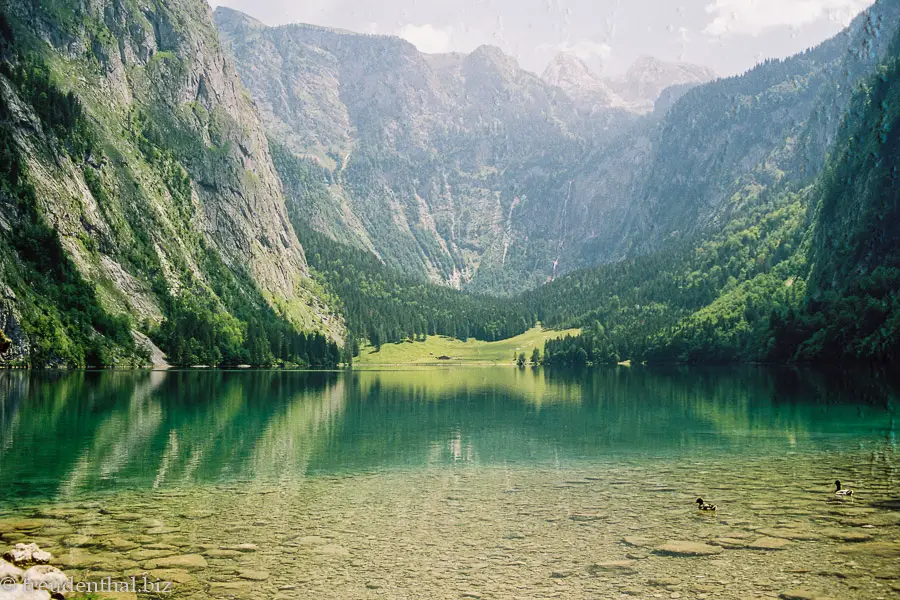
[{"x": 455, "y": 482}]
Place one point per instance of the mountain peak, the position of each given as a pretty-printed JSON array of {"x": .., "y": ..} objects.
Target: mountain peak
[
  {"x": 648, "y": 76},
  {"x": 492, "y": 54},
  {"x": 235, "y": 19},
  {"x": 566, "y": 66},
  {"x": 492, "y": 59},
  {"x": 573, "y": 75},
  {"x": 647, "y": 65}
]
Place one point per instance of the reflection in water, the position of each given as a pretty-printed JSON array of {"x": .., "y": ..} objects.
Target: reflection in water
[{"x": 64, "y": 435}]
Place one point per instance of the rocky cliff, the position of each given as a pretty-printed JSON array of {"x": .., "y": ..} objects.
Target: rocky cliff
[
  {"x": 174, "y": 192},
  {"x": 430, "y": 161},
  {"x": 478, "y": 174}
]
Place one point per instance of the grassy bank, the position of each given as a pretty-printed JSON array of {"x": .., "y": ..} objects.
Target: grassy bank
[{"x": 471, "y": 352}]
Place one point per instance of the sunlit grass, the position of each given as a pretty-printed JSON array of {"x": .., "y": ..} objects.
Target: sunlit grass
[{"x": 471, "y": 352}]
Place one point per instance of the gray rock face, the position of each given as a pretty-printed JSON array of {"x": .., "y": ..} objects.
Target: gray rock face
[
  {"x": 440, "y": 164},
  {"x": 646, "y": 79},
  {"x": 14, "y": 346}
]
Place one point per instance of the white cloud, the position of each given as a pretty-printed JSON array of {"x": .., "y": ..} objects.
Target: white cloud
[
  {"x": 428, "y": 38},
  {"x": 752, "y": 17}
]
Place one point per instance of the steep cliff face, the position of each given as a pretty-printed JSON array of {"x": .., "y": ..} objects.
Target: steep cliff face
[
  {"x": 472, "y": 171},
  {"x": 579, "y": 82},
  {"x": 430, "y": 161},
  {"x": 175, "y": 193},
  {"x": 165, "y": 59},
  {"x": 646, "y": 79}
]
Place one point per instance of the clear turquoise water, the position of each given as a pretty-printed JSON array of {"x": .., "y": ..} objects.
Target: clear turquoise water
[{"x": 549, "y": 470}]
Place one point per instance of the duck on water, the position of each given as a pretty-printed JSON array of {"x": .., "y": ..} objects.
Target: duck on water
[{"x": 840, "y": 492}]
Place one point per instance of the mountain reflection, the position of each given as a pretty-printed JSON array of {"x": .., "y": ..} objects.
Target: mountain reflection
[{"x": 65, "y": 435}]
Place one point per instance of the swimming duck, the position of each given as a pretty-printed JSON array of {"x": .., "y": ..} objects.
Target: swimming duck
[
  {"x": 705, "y": 505},
  {"x": 841, "y": 492}
]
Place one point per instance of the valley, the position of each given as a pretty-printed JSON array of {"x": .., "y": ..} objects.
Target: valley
[{"x": 287, "y": 196}]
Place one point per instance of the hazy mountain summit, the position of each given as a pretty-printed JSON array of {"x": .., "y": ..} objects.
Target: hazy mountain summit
[
  {"x": 571, "y": 74},
  {"x": 637, "y": 90}
]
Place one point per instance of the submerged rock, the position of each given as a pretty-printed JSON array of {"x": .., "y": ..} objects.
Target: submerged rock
[
  {"x": 637, "y": 541},
  {"x": 586, "y": 517},
  {"x": 848, "y": 536},
  {"x": 803, "y": 594},
  {"x": 621, "y": 566},
  {"x": 185, "y": 561},
  {"x": 253, "y": 575},
  {"x": 769, "y": 543},
  {"x": 682, "y": 548},
  {"x": 26, "y": 525}
]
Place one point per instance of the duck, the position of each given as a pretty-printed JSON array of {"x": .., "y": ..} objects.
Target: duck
[
  {"x": 842, "y": 493},
  {"x": 701, "y": 505}
]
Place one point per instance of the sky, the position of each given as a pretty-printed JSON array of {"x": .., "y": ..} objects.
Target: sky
[{"x": 730, "y": 36}]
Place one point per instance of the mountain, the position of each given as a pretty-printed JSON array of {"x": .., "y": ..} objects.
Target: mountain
[
  {"x": 722, "y": 144},
  {"x": 429, "y": 160},
  {"x": 646, "y": 79},
  {"x": 157, "y": 163},
  {"x": 139, "y": 191},
  {"x": 474, "y": 173},
  {"x": 797, "y": 274},
  {"x": 637, "y": 90},
  {"x": 573, "y": 76}
]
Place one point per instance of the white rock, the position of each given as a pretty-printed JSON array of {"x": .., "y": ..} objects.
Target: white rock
[
  {"x": 25, "y": 554},
  {"x": 10, "y": 573},
  {"x": 22, "y": 592},
  {"x": 46, "y": 577}
]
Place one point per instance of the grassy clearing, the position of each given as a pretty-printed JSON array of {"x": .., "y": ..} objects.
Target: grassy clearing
[{"x": 471, "y": 352}]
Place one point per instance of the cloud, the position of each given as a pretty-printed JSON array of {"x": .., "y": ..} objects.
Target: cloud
[
  {"x": 752, "y": 17},
  {"x": 428, "y": 38}
]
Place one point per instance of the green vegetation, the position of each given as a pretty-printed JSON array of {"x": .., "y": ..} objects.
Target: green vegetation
[
  {"x": 62, "y": 316},
  {"x": 431, "y": 349},
  {"x": 795, "y": 276},
  {"x": 382, "y": 305},
  {"x": 852, "y": 309},
  {"x": 667, "y": 306},
  {"x": 212, "y": 314}
]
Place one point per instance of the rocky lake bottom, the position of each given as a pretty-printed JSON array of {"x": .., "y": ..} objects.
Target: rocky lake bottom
[
  {"x": 500, "y": 532},
  {"x": 479, "y": 483}
]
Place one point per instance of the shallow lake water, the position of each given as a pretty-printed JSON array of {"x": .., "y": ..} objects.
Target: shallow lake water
[{"x": 458, "y": 482}]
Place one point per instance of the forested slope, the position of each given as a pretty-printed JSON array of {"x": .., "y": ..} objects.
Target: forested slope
[
  {"x": 139, "y": 197},
  {"x": 805, "y": 275}
]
